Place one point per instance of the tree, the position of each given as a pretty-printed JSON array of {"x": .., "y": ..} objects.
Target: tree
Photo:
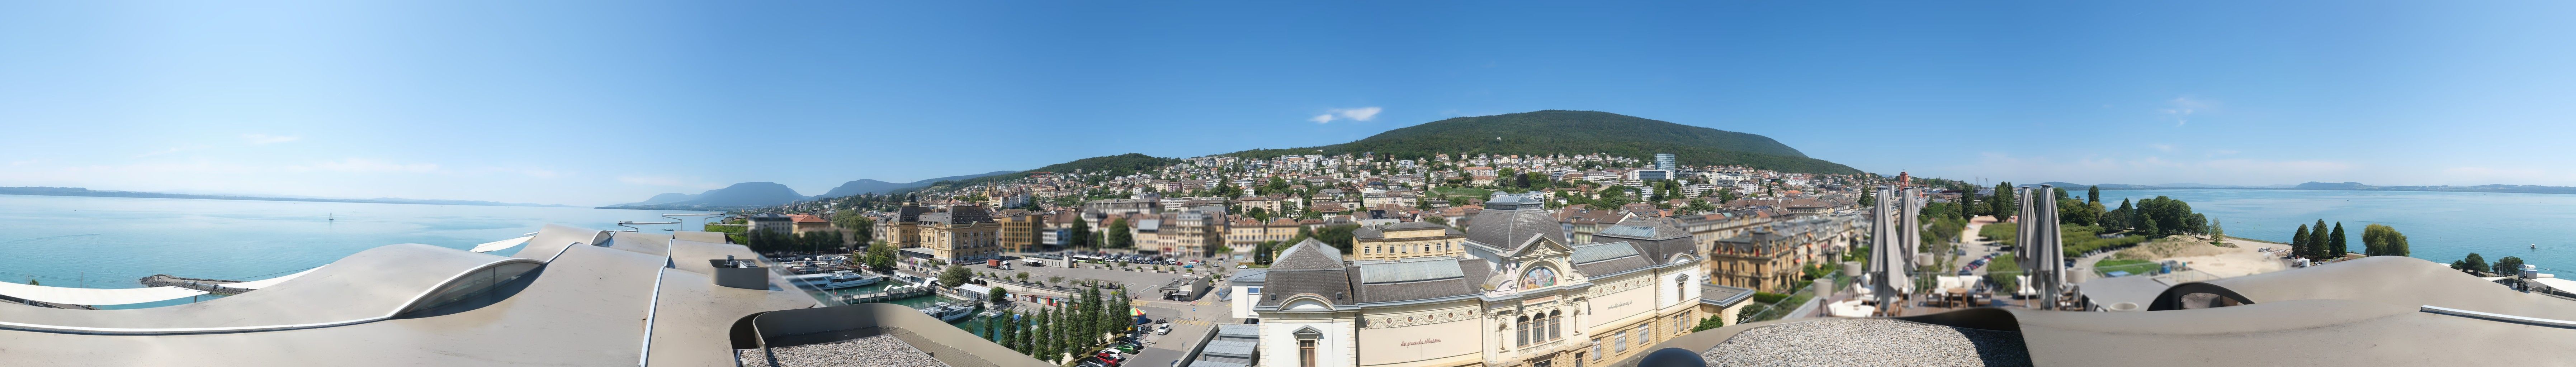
[
  {"x": 1014, "y": 329},
  {"x": 998, "y": 295},
  {"x": 954, "y": 276},
  {"x": 881, "y": 256},
  {"x": 2093, "y": 194},
  {"x": 2507, "y": 265},
  {"x": 2003, "y": 204},
  {"x": 1261, "y": 252},
  {"x": 2382, "y": 240},
  {"x": 1081, "y": 234},
  {"x": 2149, "y": 227},
  {"x": 2317, "y": 241},
  {"x": 1726, "y": 195},
  {"x": 2217, "y": 235},
  {"x": 1712, "y": 322},
  {"x": 2473, "y": 262},
  {"x": 1024, "y": 277},
  {"x": 989, "y": 333},
  {"x": 2335, "y": 245},
  {"x": 1118, "y": 235},
  {"x": 1868, "y": 198},
  {"x": 1043, "y": 344},
  {"x": 2299, "y": 242}
]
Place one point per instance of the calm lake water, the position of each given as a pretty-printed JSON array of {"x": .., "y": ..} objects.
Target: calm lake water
[
  {"x": 2439, "y": 226},
  {"x": 103, "y": 242}
]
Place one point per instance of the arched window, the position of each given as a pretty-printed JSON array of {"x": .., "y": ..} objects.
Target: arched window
[
  {"x": 1523, "y": 331},
  {"x": 1555, "y": 324}
]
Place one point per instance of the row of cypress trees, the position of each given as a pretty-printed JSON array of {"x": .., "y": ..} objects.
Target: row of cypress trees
[
  {"x": 1071, "y": 330},
  {"x": 2322, "y": 243}
]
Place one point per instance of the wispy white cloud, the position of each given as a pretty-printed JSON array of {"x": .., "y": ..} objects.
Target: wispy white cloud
[
  {"x": 1354, "y": 114},
  {"x": 2162, "y": 147},
  {"x": 2180, "y": 109},
  {"x": 260, "y": 139}
]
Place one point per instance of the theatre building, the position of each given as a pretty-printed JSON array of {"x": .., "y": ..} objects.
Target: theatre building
[{"x": 1519, "y": 295}]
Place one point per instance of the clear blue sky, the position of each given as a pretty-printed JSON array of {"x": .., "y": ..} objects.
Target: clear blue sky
[{"x": 606, "y": 102}]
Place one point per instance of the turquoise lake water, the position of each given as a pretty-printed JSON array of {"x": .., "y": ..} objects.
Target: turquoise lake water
[
  {"x": 2439, "y": 226},
  {"x": 104, "y": 242}
]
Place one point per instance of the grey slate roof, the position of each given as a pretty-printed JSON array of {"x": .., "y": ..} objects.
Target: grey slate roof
[
  {"x": 1603, "y": 251},
  {"x": 1309, "y": 267},
  {"x": 1510, "y": 220},
  {"x": 1464, "y": 282},
  {"x": 1612, "y": 258},
  {"x": 1249, "y": 277},
  {"x": 1658, "y": 238},
  {"x": 1722, "y": 296},
  {"x": 1310, "y": 254},
  {"x": 1414, "y": 225},
  {"x": 1414, "y": 270}
]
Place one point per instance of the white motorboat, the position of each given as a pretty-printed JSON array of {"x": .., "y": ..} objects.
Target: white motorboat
[
  {"x": 948, "y": 312},
  {"x": 837, "y": 280}
]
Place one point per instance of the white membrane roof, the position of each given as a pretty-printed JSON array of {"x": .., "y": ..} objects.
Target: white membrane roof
[{"x": 95, "y": 296}]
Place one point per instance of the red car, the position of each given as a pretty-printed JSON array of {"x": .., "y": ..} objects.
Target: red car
[{"x": 1097, "y": 359}]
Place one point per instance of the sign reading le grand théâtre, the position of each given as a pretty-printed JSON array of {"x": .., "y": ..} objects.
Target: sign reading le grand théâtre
[{"x": 1420, "y": 342}]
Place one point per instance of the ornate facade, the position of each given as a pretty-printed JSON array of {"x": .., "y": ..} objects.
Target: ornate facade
[{"x": 1519, "y": 294}]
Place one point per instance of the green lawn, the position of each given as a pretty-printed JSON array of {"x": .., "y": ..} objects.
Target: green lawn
[{"x": 2133, "y": 266}]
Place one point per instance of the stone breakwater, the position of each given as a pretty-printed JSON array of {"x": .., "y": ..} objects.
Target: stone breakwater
[{"x": 1868, "y": 342}]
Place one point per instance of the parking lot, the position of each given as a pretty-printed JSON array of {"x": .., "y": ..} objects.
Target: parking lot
[
  {"x": 1140, "y": 283},
  {"x": 1190, "y": 320}
]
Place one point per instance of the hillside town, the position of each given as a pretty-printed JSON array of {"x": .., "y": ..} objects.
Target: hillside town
[{"x": 1225, "y": 206}]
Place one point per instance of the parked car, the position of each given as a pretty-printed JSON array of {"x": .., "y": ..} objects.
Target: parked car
[
  {"x": 1164, "y": 329},
  {"x": 1103, "y": 361},
  {"x": 1109, "y": 354},
  {"x": 1126, "y": 347},
  {"x": 1242, "y": 266},
  {"x": 1090, "y": 363}
]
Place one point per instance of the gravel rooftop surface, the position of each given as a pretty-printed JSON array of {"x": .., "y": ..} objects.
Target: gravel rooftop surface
[
  {"x": 874, "y": 351},
  {"x": 1868, "y": 342}
]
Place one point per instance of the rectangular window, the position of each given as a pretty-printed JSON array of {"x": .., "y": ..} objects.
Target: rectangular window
[
  {"x": 1578, "y": 359},
  {"x": 1306, "y": 353},
  {"x": 1645, "y": 332},
  {"x": 1620, "y": 342}
]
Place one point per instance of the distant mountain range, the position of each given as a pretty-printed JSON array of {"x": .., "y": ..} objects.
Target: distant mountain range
[
  {"x": 76, "y": 191},
  {"x": 1576, "y": 132},
  {"x": 2350, "y": 186},
  {"x": 758, "y": 194},
  {"x": 1534, "y": 133},
  {"x": 868, "y": 186},
  {"x": 747, "y": 194}
]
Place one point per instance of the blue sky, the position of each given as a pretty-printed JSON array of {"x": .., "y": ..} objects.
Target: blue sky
[{"x": 605, "y": 102}]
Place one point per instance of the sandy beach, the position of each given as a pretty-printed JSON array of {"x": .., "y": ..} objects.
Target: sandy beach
[{"x": 2218, "y": 261}]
